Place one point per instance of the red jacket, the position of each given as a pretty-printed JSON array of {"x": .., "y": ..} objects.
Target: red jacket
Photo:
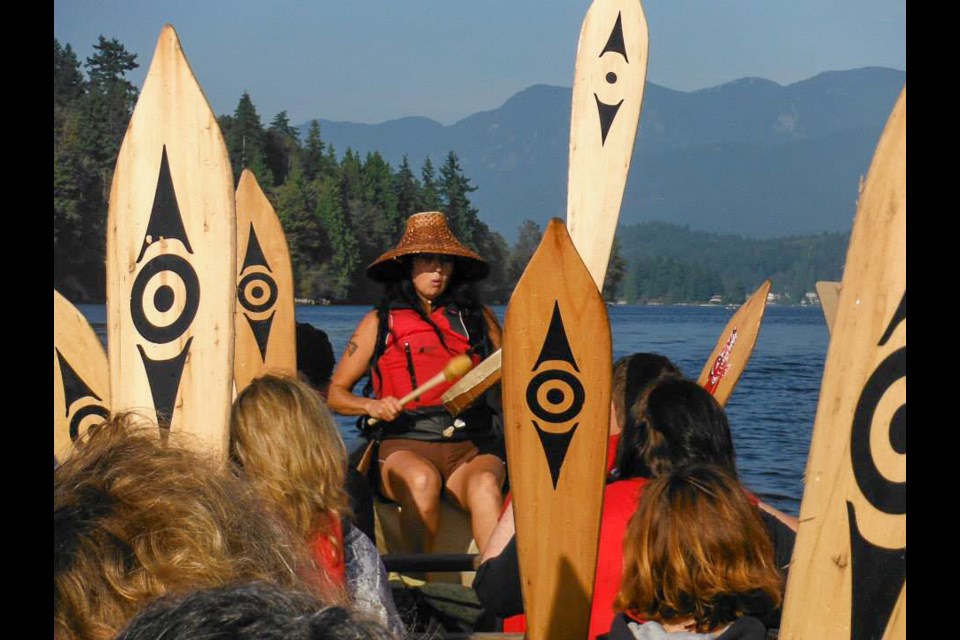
[
  {"x": 620, "y": 501},
  {"x": 413, "y": 351}
]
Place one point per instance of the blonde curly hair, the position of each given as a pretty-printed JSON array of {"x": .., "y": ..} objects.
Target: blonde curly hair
[{"x": 136, "y": 518}]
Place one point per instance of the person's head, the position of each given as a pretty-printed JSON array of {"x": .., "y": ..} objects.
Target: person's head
[
  {"x": 136, "y": 518},
  {"x": 680, "y": 423},
  {"x": 252, "y": 611},
  {"x": 697, "y": 549},
  {"x": 430, "y": 258},
  {"x": 632, "y": 374},
  {"x": 315, "y": 357},
  {"x": 288, "y": 445}
]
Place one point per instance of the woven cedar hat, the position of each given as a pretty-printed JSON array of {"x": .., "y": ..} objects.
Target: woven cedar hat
[{"x": 427, "y": 232}]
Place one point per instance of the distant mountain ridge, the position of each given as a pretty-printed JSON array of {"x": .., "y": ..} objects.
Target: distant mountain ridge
[{"x": 749, "y": 157}]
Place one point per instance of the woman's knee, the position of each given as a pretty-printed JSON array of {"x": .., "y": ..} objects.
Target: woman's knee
[{"x": 485, "y": 486}]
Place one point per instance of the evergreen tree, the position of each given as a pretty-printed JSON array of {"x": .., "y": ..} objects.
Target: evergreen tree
[
  {"x": 282, "y": 143},
  {"x": 529, "y": 235},
  {"x": 616, "y": 268},
  {"x": 455, "y": 188},
  {"x": 345, "y": 256},
  {"x": 246, "y": 138},
  {"x": 407, "y": 190},
  {"x": 319, "y": 161},
  {"x": 430, "y": 194}
]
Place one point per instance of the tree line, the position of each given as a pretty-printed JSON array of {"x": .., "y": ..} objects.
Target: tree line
[{"x": 341, "y": 212}]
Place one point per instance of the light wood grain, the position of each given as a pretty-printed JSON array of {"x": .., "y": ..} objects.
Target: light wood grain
[
  {"x": 558, "y": 527},
  {"x": 173, "y": 120},
  {"x": 605, "y": 74},
  {"x": 855, "y": 480},
  {"x": 81, "y": 378},
  {"x": 729, "y": 357},
  {"x": 829, "y": 294},
  {"x": 264, "y": 289}
]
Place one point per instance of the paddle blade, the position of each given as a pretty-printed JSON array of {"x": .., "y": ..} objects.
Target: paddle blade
[
  {"x": 557, "y": 364},
  {"x": 730, "y": 356},
  {"x": 266, "y": 327},
  {"x": 81, "y": 379},
  {"x": 608, "y": 88},
  {"x": 171, "y": 257},
  {"x": 848, "y": 573}
]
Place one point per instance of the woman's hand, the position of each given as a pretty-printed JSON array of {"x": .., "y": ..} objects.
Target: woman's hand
[{"x": 386, "y": 409}]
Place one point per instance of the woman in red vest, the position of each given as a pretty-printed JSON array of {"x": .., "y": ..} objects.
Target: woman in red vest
[{"x": 428, "y": 315}]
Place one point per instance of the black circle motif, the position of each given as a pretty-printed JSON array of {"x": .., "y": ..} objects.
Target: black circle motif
[
  {"x": 611, "y": 77},
  {"x": 544, "y": 414},
  {"x": 180, "y": 267},
  {"x": 163, "y": 298},
  {"x": 81, "y": 414},
  {"x": 256, "y": 292},
  {"x": 885, "y": 495}
]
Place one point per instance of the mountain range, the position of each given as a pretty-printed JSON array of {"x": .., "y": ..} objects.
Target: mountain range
[{"x": 749, "y": 157}]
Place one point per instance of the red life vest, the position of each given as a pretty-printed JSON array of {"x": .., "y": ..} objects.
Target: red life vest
[{"x": 413, "y": 354}]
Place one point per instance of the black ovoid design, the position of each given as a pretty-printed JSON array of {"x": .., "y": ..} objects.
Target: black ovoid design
[
  {"x": 164, "y": 378},
  {"x": 251, "y": 289},
  {"x": 555, "y": 447},
  {"x": 250, "y": 292},
  {"x": 75, "y": 389},
  {"x": 555, "y": 344},
  {"x": 261, "y": 332},
  {"x": 564, "y": 401},
  {"x": 254, "y": 256},
  {"x": 878, "y": 576},
  {"x": 606, "y": 113},
  {"x": 166, "y": 222},
  {"x": 878, "y": 573},
  {"x": 165, "y": 219},
  {"x": 615, "y": 42},
  {"x": 178, "y": 266}
]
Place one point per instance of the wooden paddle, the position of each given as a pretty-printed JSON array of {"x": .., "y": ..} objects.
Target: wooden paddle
[
  {"x": 557, "y": 363},
  {"x": 829, "y": 294},
  {"x": 81, "y": 379},
  {"x": 729, "y": 358},
  {"x": 608, "y": 84},
  {"x": 456, "y": 367},
  {"x": 266, "y": 325},
  {"x": 171, "y": 257},
  {"x": 848, "y": 574}
]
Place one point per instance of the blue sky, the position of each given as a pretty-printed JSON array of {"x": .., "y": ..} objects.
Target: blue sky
[{"x": 371, "y": 61}]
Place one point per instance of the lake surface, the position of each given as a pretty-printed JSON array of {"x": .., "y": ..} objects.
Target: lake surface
[{"x": 771, "y": 411}]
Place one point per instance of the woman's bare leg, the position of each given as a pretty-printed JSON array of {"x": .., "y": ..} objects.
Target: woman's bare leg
[
  {"x": 414, "y": 483},
  {"x": 475, "y": 487}
]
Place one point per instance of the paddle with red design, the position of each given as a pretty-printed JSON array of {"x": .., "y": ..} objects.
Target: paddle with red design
[{"x": 729, "y": 358}]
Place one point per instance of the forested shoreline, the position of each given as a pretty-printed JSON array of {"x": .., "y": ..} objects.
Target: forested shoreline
[{"x": 342, "y": 211}]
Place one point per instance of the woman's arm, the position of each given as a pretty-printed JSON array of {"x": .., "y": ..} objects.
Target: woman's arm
[
  {"x": 787, "y": 519},
  {"x": 352, "y": 367}
]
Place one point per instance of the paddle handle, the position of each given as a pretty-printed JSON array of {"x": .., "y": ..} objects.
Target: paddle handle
[{"x": 457, "y": 366}]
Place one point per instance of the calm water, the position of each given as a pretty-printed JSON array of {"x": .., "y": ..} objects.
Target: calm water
[{"x": 771, "y": 411}]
